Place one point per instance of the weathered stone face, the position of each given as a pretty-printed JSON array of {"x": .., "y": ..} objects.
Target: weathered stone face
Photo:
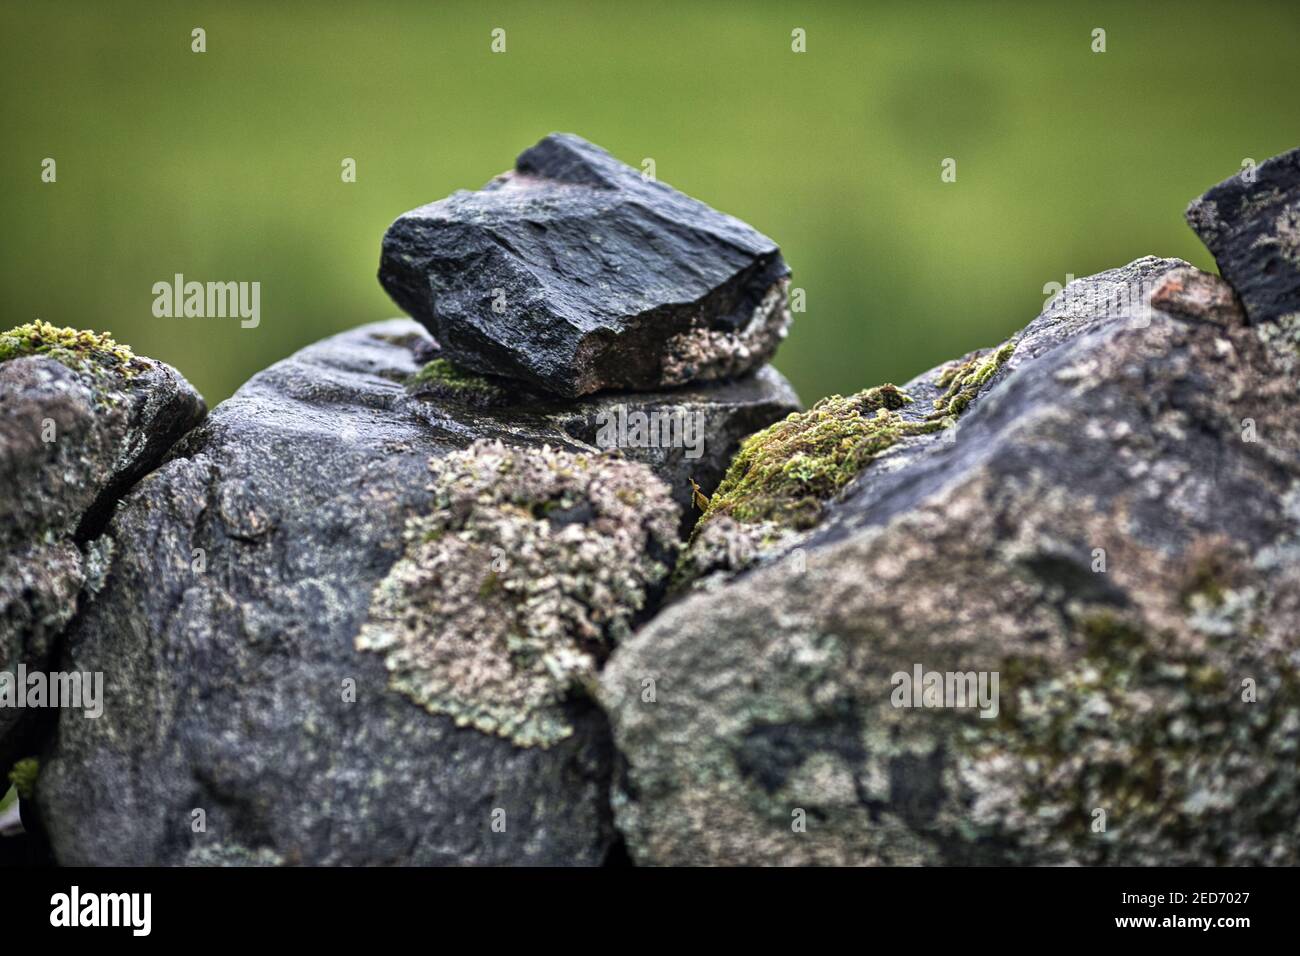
[
  {"x": 1112, "y": 527},
  {"x": 81, "y": 419},
  {"x": 575, "y": 274},
  {"x": 260, "y": 630},
  {"x": 1251, "y": 223}
]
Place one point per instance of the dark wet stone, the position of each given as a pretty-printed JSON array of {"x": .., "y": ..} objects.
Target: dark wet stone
[
  {"x": 573, "y": 273},
  {"x": 1253, "y": 229}
]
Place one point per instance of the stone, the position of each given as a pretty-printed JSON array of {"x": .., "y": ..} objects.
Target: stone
[
  {"x": 1192, "y": 294},
  {"x": 81, "y": 420},
  {"x": 1252, "y": 226},
  {"x": 356, "y": 618},
  {"x": 1109, "y": 524},
  {"x": 574, "y": 273}
]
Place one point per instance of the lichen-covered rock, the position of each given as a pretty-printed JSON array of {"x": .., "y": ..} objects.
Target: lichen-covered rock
[
  {"x": 515, "y": 587},
  {"x": 575, "y": 273},
  {"x": 81, "y": 419},
  {"x": 1251, "y": 223},
  {"x": 1111, "y": 530},
  {"x": 351, "y": 494}
]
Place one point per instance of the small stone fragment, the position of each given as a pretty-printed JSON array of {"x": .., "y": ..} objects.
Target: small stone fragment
[
  {"x": 1252, "y": 225},
  {"x": 1192, "y": 294},
  {"x": 575, "y": 273}
]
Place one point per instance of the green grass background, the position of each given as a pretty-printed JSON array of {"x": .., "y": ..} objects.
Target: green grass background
[{"x": 225, "y": 165}]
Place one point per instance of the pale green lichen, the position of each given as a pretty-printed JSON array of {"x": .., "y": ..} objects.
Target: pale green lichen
[
  {"x": 723, "y": 544},
  {"x": 441, "y": 379},
  {"x": 79, "y": 349},
  {"x": 1287, "y": 228},
  {"x": 1282, "y": 338},
  {"x": 98, "y": 561},
  {"x": 23, "y": 776},
  {"x": 513, "y": 590}
]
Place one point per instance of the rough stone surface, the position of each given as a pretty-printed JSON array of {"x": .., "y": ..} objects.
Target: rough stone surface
[
  {"x": 299, "y": 516},
  {"x": 1253, "y": 229},
  {"x": 1112, "y": 525},
  {"x": 1190, "y": 293},
  {"x": 574, "y": 273},
  {"x": 81, "y": 419}
]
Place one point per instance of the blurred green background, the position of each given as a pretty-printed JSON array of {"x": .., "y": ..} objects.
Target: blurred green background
[{"x": 226, "y": 165}]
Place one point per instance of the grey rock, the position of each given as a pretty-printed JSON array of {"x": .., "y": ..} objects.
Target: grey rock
[
  {"x": 1111, "y": 525},
  {"x": 78, "y": 426},
  {"x": 1253, "y": 229},
  {"x": 574, "y": 273},
  {"x": 341, "y": 518}
]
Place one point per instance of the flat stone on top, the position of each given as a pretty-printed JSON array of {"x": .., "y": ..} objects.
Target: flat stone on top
[{"x": 574, "y": 273}]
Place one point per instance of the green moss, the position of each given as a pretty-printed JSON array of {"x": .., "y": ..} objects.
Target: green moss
[
  {"x": 490, "y": 586},
  {"x": 783, "y": 476},
  {"x": 962, "y": 381},
  {"x": 441, "y": 379},
  {"x": 23, "y": 777},
  {"x": 79, "y": 349},
  {"x": 1205, "y": 585},
  {"x": 785, "y": 472},
  {"x": 1106, "y": 636}
]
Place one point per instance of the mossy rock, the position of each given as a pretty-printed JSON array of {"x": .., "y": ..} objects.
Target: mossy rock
[
  {"x": 441, "y": 379},
  {"x": 788, "y": 471},
  {"x": 80, "y": 349}
]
